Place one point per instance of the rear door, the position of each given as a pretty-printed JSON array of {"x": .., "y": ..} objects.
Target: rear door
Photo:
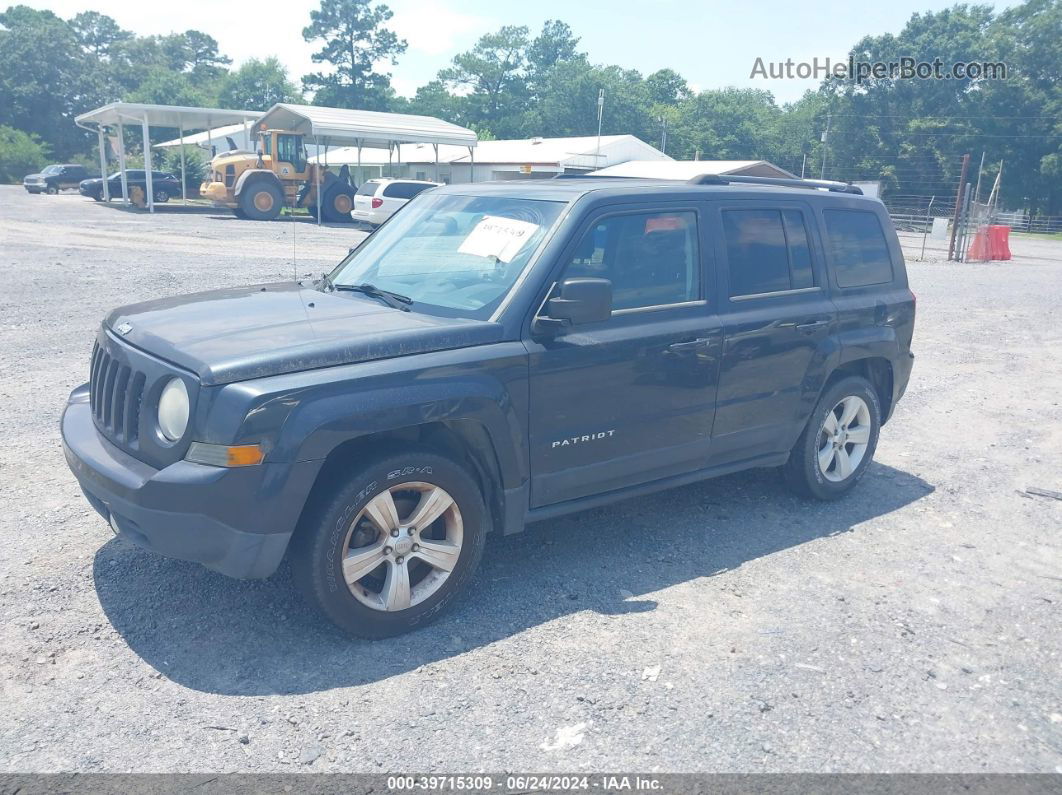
[
  {"x": 630, "y": 399},
  {"x": 777, "y": 325},
  {"x": 396, "y": 194},
  {"x": 71, "y": 177}
]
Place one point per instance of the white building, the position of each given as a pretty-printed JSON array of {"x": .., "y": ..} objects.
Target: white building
[
  {"x": 687, "y": 169},
  {"x": 524, "y": 158}
]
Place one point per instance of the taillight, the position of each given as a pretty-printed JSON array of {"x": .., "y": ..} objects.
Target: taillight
[{"x": 377, "y": 204}]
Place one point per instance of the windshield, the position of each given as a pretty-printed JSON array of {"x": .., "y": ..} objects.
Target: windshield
[
  {"x": 453, "y": 255},
  {"x": 50, "y": 170}
]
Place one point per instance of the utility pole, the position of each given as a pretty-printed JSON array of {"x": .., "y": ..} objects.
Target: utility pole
[
  {"x": 600, "y": 112},
  {"x": 803, "y": 164},
  {"x": 825, "y": 144},
  {"x": 663, "y": 134}
]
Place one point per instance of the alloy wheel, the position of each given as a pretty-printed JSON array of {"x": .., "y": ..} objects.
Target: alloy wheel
[
  {"x": 844, "y": 438},
  {"x": 402, "y": 546}
]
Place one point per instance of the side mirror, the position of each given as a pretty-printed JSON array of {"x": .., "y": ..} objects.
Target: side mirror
[{"x": 579, "y": 300}]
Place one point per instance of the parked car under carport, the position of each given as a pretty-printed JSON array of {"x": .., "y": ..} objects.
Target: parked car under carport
[{"x": 166, "y": 185}]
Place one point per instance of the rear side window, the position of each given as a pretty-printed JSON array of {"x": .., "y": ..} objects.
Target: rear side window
[
  {"x": 767, "y": 251},
  {"x": 403, "y": 190},
  {"x": 650, "y": 258},
  {"x": 368, "y": 188},
  {"x": 858, "y": 248}
]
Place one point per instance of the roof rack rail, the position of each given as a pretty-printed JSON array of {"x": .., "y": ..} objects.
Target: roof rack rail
[
  {"x": 812, "y": 184},
  {"x": 588, "y": 176}
]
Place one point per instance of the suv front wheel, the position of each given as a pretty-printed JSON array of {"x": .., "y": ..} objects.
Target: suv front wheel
[
  {"x": 838, "y": 443},
  {"x": 394, "y": 546}
]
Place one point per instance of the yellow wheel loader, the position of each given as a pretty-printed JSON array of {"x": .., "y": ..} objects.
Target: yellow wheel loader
[{"x": 258, "y": 185}]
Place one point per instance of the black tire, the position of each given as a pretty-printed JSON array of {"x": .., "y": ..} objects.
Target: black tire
[
  {"x": 162, "y": 196},
  {"x": 261, "y": 201},
  {"x": 51, "y": 190},
  {"x": 803, "y": 472},
  {"x": 339, "y": 201},
  {"x": 321, "y": 540},
  {"x": 238, "y": 213},
  {"x": 97, "y": 197}
]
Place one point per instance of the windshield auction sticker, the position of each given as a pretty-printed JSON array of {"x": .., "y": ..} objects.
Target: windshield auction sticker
[{"x": 498, "y": 237}]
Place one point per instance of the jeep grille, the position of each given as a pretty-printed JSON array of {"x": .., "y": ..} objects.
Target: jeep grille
[{"x": 115, "y": 392}]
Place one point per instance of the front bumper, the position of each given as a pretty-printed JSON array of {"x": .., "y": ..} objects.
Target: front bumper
[{"x": 236, "y": 521}]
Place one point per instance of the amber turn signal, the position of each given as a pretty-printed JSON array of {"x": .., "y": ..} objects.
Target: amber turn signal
[{"x": 220, "y": 455}]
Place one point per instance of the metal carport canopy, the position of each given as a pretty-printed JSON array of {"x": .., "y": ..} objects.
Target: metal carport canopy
[
  {"x": 367, "y": 128},
  {"x": 118, "y": 114}
]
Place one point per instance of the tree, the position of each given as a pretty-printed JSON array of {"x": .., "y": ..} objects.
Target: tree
[
  {"x": 354, "y": 42},
  {"x": 731, "y": 124},
  {"x": 257, "y": 85},
  {"x": 162, "y": 86},
  {"x": 204, "y": 59},
  {"x": 667, "y": 87},
  {"x": 20, "y": 154},
  {"x": 492, "y": 74},
  {"x": 569, "y": 104},
  {"x": 42, "y": 77},
  {"x": 98, "y": 33},
  {"x": 555, "y": 44}
]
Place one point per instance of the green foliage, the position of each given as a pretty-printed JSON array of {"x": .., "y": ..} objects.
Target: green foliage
[
  {"x": 257, "y": 85},
  {"x": 20, "y": 154},
  {"x": 354, "y": 41},
  {"x": 194, "y": 166}
]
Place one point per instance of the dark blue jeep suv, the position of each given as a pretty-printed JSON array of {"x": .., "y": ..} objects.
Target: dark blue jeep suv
[{"x": 496, "y": 354}]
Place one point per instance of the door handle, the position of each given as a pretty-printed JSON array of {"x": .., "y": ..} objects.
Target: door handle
[
  {"x": 812, "y": 325},
  {"x": 700, "y": 342}
]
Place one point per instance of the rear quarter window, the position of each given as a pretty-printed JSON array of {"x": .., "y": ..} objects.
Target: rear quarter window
[
  {"x": 858, "y": 248},
  {"x": 403, "y": 190}
]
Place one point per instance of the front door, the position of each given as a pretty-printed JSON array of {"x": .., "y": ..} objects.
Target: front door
[
  {"x": 291, "y": 157},
  {"x": 778, "y": 320},
  {"x": 631, "y": 399}
]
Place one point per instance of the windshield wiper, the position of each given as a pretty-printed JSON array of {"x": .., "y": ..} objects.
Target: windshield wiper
[{"x": 393, "y": 300}]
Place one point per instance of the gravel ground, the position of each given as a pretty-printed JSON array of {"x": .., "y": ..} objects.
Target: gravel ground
[{"x": 724, "y": 626}]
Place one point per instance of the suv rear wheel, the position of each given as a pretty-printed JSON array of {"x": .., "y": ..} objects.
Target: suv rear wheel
[
  {"x": 838, "y": 443},
  {"x": 394, "y": 546}
]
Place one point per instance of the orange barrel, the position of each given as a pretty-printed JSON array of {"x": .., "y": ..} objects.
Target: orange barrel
[{"x": 999, "y": 242}]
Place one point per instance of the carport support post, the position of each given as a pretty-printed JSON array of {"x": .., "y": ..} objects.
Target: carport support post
[
  {"x": 317, "y": 176},
  {"x": 436, "y": 147},
  {"x": 121, "y": 164},
  {"x": 149, "y": 185},
  {"x": 184, "y": 175},
  {"x": 472, "y": 164},
  {"x": 103, "y": 161},
  {"x": 360, "y": 180}
]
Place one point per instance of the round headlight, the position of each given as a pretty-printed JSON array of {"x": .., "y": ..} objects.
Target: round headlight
[{"x": 173, "y": 410}]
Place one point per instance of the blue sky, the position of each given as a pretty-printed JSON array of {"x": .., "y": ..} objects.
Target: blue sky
[{"x": 712, "y": 44}]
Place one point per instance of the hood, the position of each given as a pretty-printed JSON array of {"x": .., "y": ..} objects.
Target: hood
[
  {"x": 234, "y": 158},
  {"x": 253, "y": 332},
  {"x": 91, "y": 181},
  {"x": 32, "y": 176}
]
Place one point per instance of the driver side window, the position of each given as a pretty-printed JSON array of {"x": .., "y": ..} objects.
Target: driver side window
[{"x": 652, "y": 259}]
